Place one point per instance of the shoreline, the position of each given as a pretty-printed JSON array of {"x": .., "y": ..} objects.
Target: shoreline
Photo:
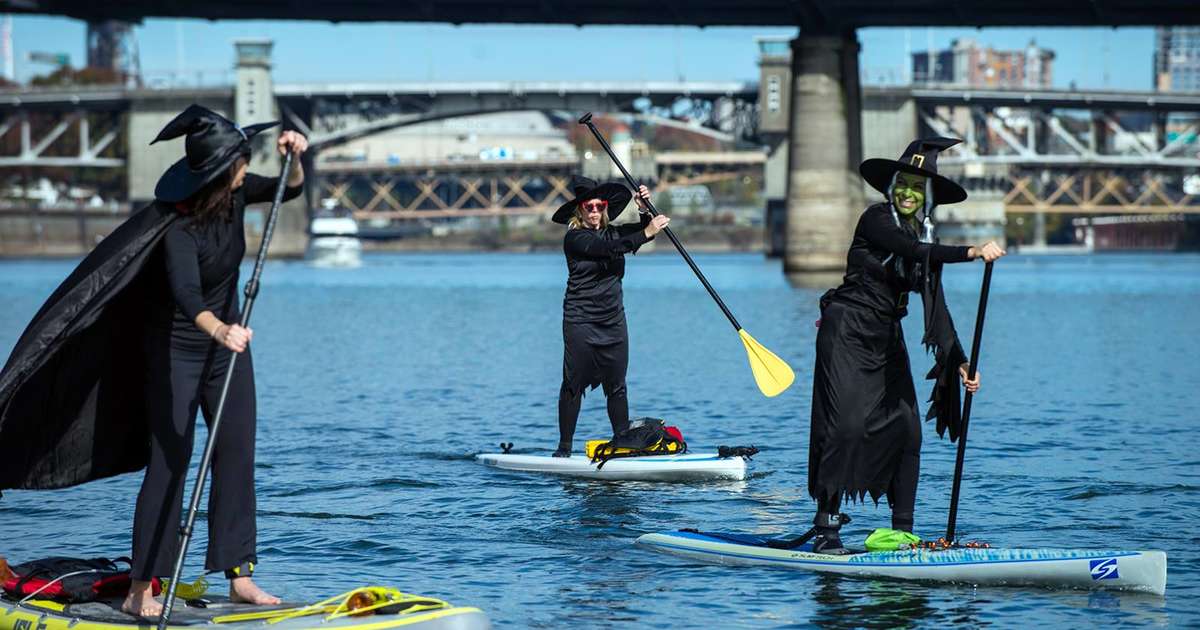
[{"x": 697, "y": 238}]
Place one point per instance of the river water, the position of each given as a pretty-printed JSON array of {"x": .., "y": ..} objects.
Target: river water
[{"x": 377, "y": 385}]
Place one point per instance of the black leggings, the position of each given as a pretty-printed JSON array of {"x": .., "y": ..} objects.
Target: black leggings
[
  {"x": 584, "y": 365},
  {"x": 180, "y": 378},
  {"x": 568, "y": 412}
]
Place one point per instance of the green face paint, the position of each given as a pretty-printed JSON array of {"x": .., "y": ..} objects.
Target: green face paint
[{"x": 908, "y": 195}]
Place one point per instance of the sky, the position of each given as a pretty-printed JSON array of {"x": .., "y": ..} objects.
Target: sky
[{"x": 201, "y": 51}]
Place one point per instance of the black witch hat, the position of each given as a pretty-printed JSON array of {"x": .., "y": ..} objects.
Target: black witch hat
[
  {"x": 213, "y": 144},
  {"x": 617, "y": 196},
  {"x": 920, "y": 158}
]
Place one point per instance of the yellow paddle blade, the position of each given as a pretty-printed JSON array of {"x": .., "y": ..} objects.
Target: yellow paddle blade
[{"x": 770, "y": 372}]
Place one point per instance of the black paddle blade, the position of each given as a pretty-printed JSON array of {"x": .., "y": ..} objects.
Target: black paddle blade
[
  {"x": 585, "y": 119},
  {"x": 745, "y": 452}
]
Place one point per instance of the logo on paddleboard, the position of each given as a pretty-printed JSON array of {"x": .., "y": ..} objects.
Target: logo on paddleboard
[{"x": 1105, "y": 569}]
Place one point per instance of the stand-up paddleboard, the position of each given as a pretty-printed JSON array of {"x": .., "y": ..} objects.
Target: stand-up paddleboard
[
  {"x": 686, "y": 467},
  {"x": 1063, "y": 568},
  {"x": 392, "y": 609}
]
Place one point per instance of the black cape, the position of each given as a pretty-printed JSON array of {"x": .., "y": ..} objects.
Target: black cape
[{"x": 72, "y": 407}]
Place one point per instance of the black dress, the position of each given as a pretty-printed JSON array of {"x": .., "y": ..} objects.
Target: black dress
[
  {"x": 595, "y": 339},
  {"x": 866, "y": 433},
  {"x": 185, "y": 369}
]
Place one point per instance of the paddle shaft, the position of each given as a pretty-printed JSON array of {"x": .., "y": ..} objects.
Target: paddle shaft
[
  {"x": 185, "y": 532},
  {"x": 654, "y": 212},
  {"x": 966, "y": 413}
]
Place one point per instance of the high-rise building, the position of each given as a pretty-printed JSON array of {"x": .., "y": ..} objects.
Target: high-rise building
[
  {"x": 1177, "y": 59},
  {"x": 968, "y": 64},
  {"x": 111, "y": 46}
]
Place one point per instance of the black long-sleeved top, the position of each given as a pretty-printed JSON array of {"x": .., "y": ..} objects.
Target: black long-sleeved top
[
  {"x": 201, "y": 260},
  {"x": 595, "y": 267},
  {"x": 880, "y": 266}
]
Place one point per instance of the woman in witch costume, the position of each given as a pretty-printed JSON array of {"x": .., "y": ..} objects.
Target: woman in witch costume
[
  {"x": 595, "y": 339},
  {"x": 866, "y": 434},
  {"x": 108, "y": 376},
  {"x": 196, "y": 304}
]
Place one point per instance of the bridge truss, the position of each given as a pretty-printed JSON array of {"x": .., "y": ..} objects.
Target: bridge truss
[
  {"x": 76, "y": 138},
  {"x": 335, "y": 114},
  {"x": 458, "y": 189},
  {"x": 1069, "y": 152},
  {"x": 438, "y": 190},
  {"x": 1100, "y": 191}
]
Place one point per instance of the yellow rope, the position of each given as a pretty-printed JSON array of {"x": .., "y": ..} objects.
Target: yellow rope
[{"x": 339, "y": 606}]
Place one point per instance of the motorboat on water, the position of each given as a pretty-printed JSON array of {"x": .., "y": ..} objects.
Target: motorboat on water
[{"x": 334, "y": 241}]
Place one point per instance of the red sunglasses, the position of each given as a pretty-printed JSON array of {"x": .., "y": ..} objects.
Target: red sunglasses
[{"x": 599, "y": 205}]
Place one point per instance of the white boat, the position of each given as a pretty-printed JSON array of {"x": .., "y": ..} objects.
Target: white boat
[
  {"x": 333, "y": 242},
  {"x": 686, "y": 467},
  {"x": 1144, "y": 571}
]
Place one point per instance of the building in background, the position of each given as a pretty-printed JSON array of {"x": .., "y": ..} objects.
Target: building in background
[
  {"x": 968, "y": 64},
  {"x": 1177, "y": 59},
  {"x": 112, "y": 48},
  {"x": 505, "y": 136},
  {"x": 1177, "y": 69}
]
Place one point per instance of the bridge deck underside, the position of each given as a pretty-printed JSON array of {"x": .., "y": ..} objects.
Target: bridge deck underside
[{"x": 810, "y": 14}]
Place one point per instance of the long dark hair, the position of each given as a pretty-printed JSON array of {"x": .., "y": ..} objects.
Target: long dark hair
[{"x": 213, "y": 201}]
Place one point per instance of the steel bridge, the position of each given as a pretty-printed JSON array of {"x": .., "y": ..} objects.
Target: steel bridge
[
  {"x": 1067, "y": 151},
  {"x": 332, "y": 114},
  {"x": 1036, "y": 150},
  {"x": 452, "y": 189}
]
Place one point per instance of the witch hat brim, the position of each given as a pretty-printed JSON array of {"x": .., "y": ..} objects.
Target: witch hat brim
[
  {"x": 180, "y": 181},
  {"x": 878, "y": 173},
  {"x": 617, "y": 196}
]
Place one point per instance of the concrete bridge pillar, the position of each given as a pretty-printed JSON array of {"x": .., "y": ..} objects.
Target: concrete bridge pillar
[
  {"x": 775, "y": 67},
  {"x": 1039, "y": 230},
  {"x": 254, "y": 102},
  {"x": 824, "y": 192}
]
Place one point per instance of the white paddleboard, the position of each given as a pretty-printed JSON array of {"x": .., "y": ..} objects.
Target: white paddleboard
[
  {"x": 1061, "y": 568},
  {"x": 686, "y": 467}
]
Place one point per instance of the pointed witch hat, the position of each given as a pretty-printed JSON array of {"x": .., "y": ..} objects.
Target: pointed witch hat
[
  {"x": 617, "y": 196},
  {"x": 213, "y": 144},
  {"x": 920, "y": 158}
]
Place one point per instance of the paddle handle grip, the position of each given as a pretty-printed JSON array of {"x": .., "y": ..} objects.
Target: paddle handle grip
[
  {"x": 960, "y": 457},
  {"x": 586, "y": 119}
]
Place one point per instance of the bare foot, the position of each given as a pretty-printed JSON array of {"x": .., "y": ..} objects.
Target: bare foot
[
  {"x": 244, "y": 591},
  {"x": 140, "y": 601}
]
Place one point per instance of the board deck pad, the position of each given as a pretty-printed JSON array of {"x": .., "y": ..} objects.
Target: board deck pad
[
  {"x": 1063, "y": 568},
  {"x": 685, "y": 467},
  {"x": 218, "y": 611},
  {"x": 109, "y": 610}
]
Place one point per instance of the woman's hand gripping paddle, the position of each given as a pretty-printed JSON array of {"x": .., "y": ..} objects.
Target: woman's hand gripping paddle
[{"x": 771, "y": 373}]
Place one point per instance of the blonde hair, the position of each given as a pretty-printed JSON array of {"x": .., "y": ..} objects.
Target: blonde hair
[{"x": 576, "y": 220}]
